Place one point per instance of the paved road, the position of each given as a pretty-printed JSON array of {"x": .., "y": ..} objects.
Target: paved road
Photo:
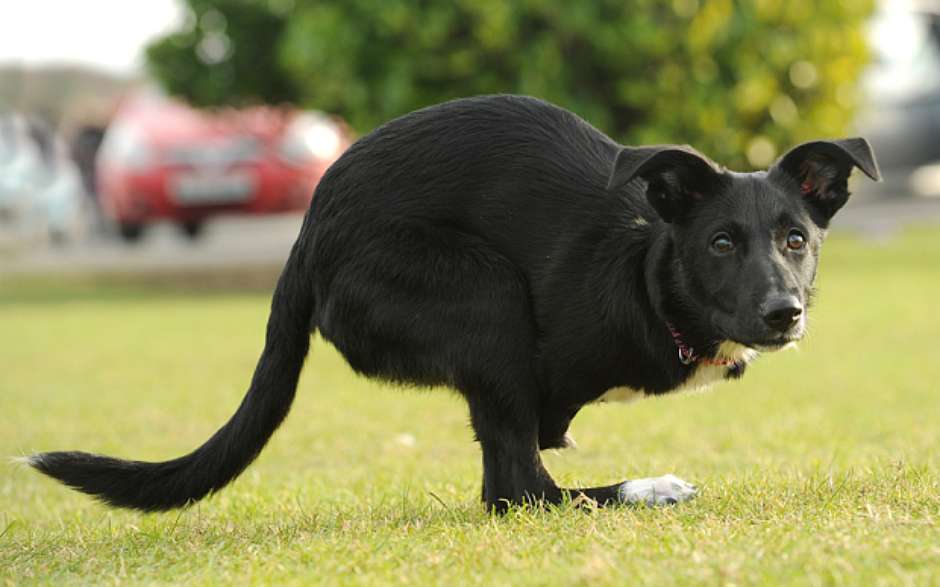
[
  {"x": 232, "y": 243},
  {"x": 227, "y": 243},
  {"x": 888, "y": 216}
]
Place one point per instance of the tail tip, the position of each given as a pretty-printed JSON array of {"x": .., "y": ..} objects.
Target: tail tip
[{"x": 35, "y": 461}]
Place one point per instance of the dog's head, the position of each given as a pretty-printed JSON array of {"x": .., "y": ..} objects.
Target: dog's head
[{"x": 746, "y": 245}]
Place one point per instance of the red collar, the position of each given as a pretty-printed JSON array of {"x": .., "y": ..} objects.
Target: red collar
[{"x": 687, "y": 354}]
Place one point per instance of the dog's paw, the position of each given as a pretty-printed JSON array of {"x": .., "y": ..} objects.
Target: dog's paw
[{"x": 653, "y": 491}]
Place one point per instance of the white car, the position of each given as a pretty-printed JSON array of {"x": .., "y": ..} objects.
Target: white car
[
  {"x": 901, "y": 112},
  {"x": 41, "y": 193}
]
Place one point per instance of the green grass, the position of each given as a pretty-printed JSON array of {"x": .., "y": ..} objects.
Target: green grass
[{"x": 819, "y": 467}]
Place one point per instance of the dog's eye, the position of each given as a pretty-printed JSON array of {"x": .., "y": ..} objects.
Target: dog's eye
[
  {"x": 722, "y": 243},
  {"x": 796, "y": 241}
]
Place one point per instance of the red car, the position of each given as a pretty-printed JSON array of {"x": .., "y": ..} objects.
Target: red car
[{"x": 164, "y": 160}]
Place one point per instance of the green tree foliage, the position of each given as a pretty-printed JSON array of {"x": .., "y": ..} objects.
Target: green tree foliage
[
  {"x": 226, "y": 52},
  {"x": 739, "y": 79}
]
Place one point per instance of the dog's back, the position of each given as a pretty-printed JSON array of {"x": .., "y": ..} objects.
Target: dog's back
[
  {"x": 516, "y": 171},
  {"x": 460, "y": 160}
]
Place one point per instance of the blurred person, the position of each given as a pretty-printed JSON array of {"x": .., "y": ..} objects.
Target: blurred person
[{"x": 84, "y": 151}]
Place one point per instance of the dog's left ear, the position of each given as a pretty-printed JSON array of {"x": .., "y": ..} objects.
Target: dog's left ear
[
  {"x": 822, "y": 169},
  {"x": 676, "y": 176}
]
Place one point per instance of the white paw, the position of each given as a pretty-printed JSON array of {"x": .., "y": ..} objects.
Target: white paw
[{"x": 665, "y": 490}]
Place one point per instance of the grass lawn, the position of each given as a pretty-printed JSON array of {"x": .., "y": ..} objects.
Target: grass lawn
[{"x": 821, "y": 466}]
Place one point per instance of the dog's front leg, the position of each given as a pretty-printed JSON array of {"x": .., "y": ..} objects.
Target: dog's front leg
[
  {"x": 651, "y": 491},
  {"x": 513, "y": 473},
  {"x": 555, "y": 419}
]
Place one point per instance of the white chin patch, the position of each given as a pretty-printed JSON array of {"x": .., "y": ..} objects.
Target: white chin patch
[
  {"x": 737, "y": 352},
  {"x": 656, "y": 491}
]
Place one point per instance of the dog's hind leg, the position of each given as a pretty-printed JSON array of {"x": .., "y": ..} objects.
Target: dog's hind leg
[
  {"x": 432, "y": 305},
  {"x": 507, "y": 430}
]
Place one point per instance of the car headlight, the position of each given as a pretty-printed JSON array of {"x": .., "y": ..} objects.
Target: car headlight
[
  {"x": 311, "y": 137},
  {"x": 126, "y": 145}
]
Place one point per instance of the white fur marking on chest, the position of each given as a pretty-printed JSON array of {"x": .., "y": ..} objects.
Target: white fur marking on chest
[
  {"x": 703, "y": 377},
  {"x": 706, "y": 375}
]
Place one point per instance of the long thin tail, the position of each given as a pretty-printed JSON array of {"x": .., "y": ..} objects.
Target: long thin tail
[{"x": 176, "y": 483}]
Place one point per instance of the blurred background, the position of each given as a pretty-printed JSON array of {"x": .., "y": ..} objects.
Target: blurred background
[{"x": 188, "y": 135}]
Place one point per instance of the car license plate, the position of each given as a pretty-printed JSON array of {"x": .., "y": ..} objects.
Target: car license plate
[{"x": 229, "y": 187}]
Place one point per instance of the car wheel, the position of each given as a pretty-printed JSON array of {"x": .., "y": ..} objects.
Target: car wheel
[
  {"x": 192, "y": 228},
  {"x": 130, "y": 231}
]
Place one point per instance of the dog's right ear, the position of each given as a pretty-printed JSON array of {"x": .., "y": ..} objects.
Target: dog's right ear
[{"x": 676, "y": 176}]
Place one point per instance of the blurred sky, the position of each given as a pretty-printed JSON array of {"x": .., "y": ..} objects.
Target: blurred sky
[{"x": 107, "y": 33}]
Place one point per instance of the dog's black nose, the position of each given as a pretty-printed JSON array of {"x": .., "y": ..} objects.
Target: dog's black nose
[{"x": 782, "y": 312}]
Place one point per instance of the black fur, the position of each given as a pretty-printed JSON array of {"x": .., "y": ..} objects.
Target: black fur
[{"x": 506, "y": 248}]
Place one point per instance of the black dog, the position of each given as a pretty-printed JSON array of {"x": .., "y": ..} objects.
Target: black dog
[{"x": 506, "y": 248}]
